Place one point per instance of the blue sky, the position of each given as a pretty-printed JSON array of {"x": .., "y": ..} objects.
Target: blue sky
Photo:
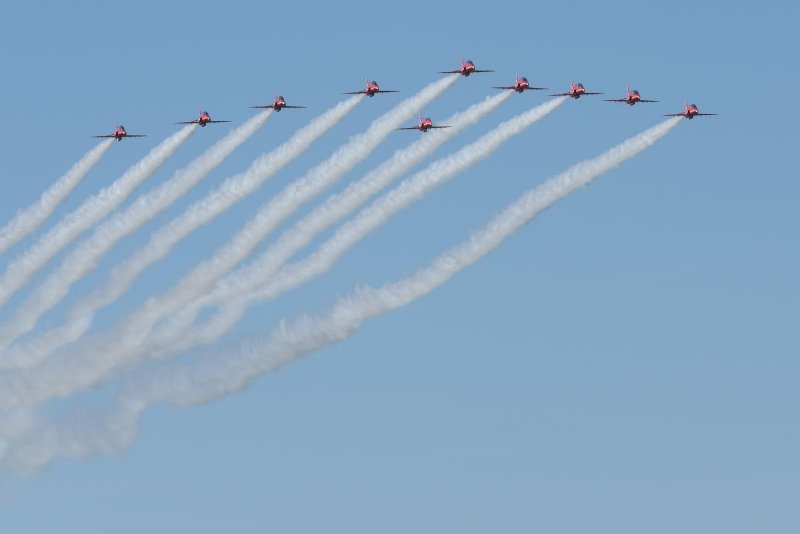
[{"x": 626, "y": 363}]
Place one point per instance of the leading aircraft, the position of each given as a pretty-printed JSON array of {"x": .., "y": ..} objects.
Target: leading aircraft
[
  {"x": 576, "y": 90},
  {"x": 278, "y": 105},
  {"x": 690, "y": 112},
  {"x": 203, "y": 119},
  {"x": 631, "y": 98},
  {"x": 119, "y": 133},
  {"x": 467, "y": 68},
  {"x": 424, "y": 125},
  {"x": 521, "y": 84},
  {"x": 371, "y": 90}
]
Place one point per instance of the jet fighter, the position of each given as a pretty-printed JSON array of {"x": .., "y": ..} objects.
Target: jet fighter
[
  {"x": 690, "y": 112},
  {"x": 424, "y": 125},
  {"x": 372, "y": 88},
  {"x": 277, "y": 105},
  {"x": 467, "y": 68},
  {"x": 202, "y": 119},
  {"x": 576, "y": 90},
  {"x": 521, "y": 85},
  {"x": 633, "y": 97},
  {"x": 119, "y": 133}
]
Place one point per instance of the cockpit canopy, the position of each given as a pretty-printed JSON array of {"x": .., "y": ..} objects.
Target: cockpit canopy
[
  {"x": 470, "y": 63},
  {"x": 635, "y": 92},
  {"x": 523, "y": 79},
  {"x": 579, "y": 84},
  {"x": 373, "y": 82},
  {"x": 280, "y": 97}
]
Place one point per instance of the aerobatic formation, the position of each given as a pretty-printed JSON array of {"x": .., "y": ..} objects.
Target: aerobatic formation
[
  {"x": 371, "y": 88},
  {"x": 66, "y": 360}
]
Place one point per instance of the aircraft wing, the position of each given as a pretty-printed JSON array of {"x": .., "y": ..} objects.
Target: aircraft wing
[
  {"x": 99, "y": 136},
  {"x": 450, "y": 72},
  {"x": 215, "y": 122},
  {"x": 478, "y": 70},
  {"x": 703, "y": 114},
  {"x": 386, "y": 91},
  {"x": 623, "y": 100},
  {"x": 647, "y": 101},
  {"x": 439, "y": 126},
  {"x": 529, "y": 88},
  {"x": 675, "y": 115},
  {"x": 562, "y": 94},
  {"x": 131, "y": 135},
  {"x": 409, "y": 128},
  {"x": 586, "y": 93},
  {"x": 294, "y": 107},
  {"x": 361, "y": 92},
  {"x": 271, "y": 106},
  {"x": 189, "y": 122}
]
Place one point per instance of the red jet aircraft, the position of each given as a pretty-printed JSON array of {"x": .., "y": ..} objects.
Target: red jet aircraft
[
  {"x": 521, "y": 85},
  {"x": 467, "y": 68},
  {"x": 576, "y": 90},
  {"x": 690, "y": 112},
  {"x": 631, "y": 98},
  {"x": 119, "y": 133},
  {"x": 278, "y": 105},
  {"x": 424, "y": 125},
  {"x": 203, "y": 119},
  {"x": 372, "y": 88}
]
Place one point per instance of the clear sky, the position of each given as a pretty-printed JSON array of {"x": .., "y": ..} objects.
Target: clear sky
[{"x": 626, "y": 363}]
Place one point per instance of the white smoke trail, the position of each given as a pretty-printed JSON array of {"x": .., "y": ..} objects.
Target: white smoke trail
[
  {"x": 257, "y": 283},
  {"x": 27, "y": 220},
  {"x": 214, "y": 375},
  {"x": 89, "y": 252},
  {"x": 87, "y": 215},
  {"x": 329, "y": 212},
  {"x": 283, "y": 205},
  {"x": 231, "y": 191},
  {"x": 95, "y": 360}
]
